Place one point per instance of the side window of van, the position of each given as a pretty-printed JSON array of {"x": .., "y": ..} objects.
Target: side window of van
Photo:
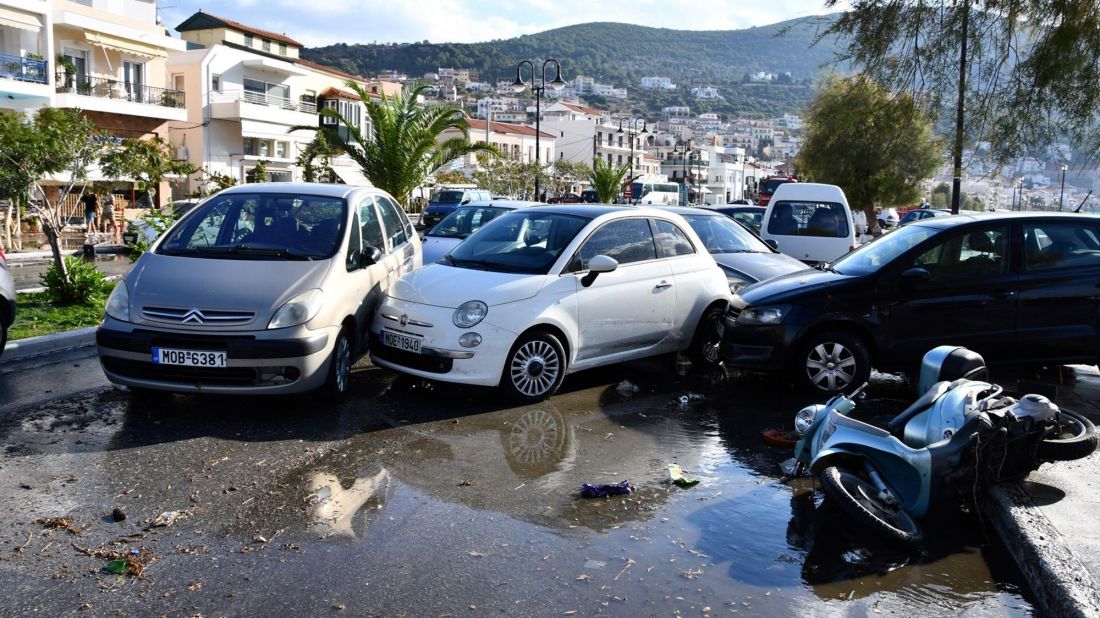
[
  {"x": 395, "y": 227},
  {"x": 410, "y": 231},
  {"x": 806, "y": 218},
  {"x": 355, "y": 245},
  {"x": 371, "y": 229}
]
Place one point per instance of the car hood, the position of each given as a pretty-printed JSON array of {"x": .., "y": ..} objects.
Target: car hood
[
  {"x": 759, "y": 266},
  {"x": 441, "y": 285},
  {"x": 260, "y": 286},
  {"x": 435, "y": 247},
  {"x": 785, "y": 286}
]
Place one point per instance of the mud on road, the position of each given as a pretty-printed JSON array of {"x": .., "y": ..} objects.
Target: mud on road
[{"x": 419, "y": 499}]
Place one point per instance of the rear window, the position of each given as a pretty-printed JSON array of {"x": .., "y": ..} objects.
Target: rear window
[
  {"x": 449, "y": 197},
  {"x": 806, "y": 218}
]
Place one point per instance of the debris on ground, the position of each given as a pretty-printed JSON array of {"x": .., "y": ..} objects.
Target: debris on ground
[
  {"x": 626, "y": 388},
  {"x": 167, "y": 518},
  {"x": 603, "y": 490},
  {"x": 676, "y": 475},
  {"x": 131, "y": 563},
  {"x": 466, "y": 483},
  {"x": 118, "y": 514},
  {"x": 691, "y": 398},
  {"x": 778, "y": 437},
  {"x": 594, "y": 564},
  {"x": 59, "y": 523}
]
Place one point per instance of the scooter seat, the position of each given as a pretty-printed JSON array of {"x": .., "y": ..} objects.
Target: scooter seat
[{"x": 897, "y": 425}]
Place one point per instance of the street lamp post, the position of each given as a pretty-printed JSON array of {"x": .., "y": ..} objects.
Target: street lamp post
[
  {"x": 519, "y": 86},
  {"x": 632, "y": 132},
  {"x": 1062, "y": 193},
  {"x": 683, "y": 168}
]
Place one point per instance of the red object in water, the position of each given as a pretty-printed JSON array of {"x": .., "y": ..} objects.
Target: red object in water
[{"x": 778, "y": 437}]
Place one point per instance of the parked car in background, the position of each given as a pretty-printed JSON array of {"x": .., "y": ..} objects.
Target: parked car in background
[
  {"x": 590, "y": 196},
  {"x": 744, "y": 256},
  {"x": 568, "y": 198},
  {"x": 887, "y": 218},
  {"x": 810, "y": 222},
  {"x": 921, "y": 214},
  {"x": 447, "y": 198},
  {"x": 751, "y": 216},
  {"x": 1017, "y": 288},
  {"x": 455, "y": 227},
  {"x": 148, "y": 232},
  {"x": 538, "y": 293},
  {"x": 261, "y": 289},
  {"x": 7, "y": 300}
]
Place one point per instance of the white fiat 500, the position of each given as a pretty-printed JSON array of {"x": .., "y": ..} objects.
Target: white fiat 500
[{"x": 538, "y": 293}]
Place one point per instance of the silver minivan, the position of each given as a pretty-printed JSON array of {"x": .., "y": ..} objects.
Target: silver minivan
[{"x": 262, "y": 289}]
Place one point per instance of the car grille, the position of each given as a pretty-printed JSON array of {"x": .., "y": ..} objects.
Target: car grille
[
  {"x": 199, "y": 317},
  {"x": 223, "y": 376}
]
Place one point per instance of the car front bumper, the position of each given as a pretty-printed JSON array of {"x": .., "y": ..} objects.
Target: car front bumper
[
  {"x": 755, "y": 348},
  {"x": 441, "y": 355},
  {"x": 279, "y": 361}
]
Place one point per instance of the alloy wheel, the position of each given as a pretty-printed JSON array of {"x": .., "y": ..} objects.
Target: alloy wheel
[
  {"x": 534, "y": 368},
  {"x": 831, "y": 366}
]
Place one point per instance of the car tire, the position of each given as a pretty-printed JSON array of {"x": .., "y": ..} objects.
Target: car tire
[
  {"x": 3, "y": 337},
  {"x": 339, "y": 367},
  {"x": 705, "y": 345},
  {"x": 535, "y": 367},
  {"x": 832, "y": 362}
]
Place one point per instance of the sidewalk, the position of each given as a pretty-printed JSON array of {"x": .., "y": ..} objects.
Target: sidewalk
[{"x": 1050, "y": 523}]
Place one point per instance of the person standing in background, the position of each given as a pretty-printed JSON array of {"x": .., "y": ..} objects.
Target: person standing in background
[{"x": 91, "y": 205}]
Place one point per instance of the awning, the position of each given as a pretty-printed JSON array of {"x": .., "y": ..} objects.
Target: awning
[
  {"x": 20, "y": 20},
  {"x": 125, "y": 46},
  {"x": 352, "y": 176}
]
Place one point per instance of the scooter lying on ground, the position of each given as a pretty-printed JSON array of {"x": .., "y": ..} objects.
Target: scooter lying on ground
[{"x": 961, "y": 435}]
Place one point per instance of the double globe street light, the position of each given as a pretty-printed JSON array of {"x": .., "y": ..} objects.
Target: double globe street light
[
  {"x": 556, "y": 85},
  {"x": 632, "y": 132}
]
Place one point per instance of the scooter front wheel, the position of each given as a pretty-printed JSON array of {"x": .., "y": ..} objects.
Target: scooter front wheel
[
  {"x": 858, "y": 499},
  {"x": 1074, "y": 438}
]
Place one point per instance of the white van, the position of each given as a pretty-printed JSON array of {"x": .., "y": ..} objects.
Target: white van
[
  {"x": 811, "y": 222},
  {"x": 659, "y": 193}
]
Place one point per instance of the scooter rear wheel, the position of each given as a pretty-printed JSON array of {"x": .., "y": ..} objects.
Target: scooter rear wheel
[
  {"x": 858, "y": 499},
  {"x": 1075, "y": 438}
]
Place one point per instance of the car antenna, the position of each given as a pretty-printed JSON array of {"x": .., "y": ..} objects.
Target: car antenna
[{"x": 1083, "y": 202}]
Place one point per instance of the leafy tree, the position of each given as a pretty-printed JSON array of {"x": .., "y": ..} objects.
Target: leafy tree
[
  {"x": 316, "y": 158},
  {"x": 1026, "y": 70},
  {"x": 876, "y": 146},
  {"x": 451, "y": 178},
  {"x": 258, "y": 173},
  {"x": 212, "y": 182},
  {"x": 147, "y": 161},
  {"x": 404, "y": 146},
  {"x": 564, "y": 174},
  {"x": 607, "y": 179},
  {"x": 54, "y": 142}
]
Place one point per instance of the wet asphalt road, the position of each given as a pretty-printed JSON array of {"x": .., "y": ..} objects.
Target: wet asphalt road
[{"x": 417, "y": 499}]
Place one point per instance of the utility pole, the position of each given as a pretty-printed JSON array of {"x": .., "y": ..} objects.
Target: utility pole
[
  {"x": 1062, "y": 193},
  {"x": 956, "y": 183}
]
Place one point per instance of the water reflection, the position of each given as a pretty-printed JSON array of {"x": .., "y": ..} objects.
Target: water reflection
[{"x": 343, "y": 511}]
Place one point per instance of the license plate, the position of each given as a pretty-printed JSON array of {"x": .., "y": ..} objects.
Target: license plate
[
  {"x": 129, "y": 239},
  {"x": 188, "y": 358},
  {"x": 401, "y": 342}
]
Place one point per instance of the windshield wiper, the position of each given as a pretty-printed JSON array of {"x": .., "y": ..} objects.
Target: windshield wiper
[
  {"x": 242, "y": 249},
  {"x": 827, "y": 267},
  {"x": 486, "y": 265},
  {"x": 450, "y": 260}
]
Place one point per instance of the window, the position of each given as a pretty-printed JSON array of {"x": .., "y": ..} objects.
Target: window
[
  {"x": 134, "y": 77},
  {"x": 216, "y": 83},
  {"x": 975, "y": 253},
  {"x": 626, "y": 240},
  {"x": 281, "y": 149},
  {"x": 267, "y": 45},
  {"x": 355, "y": 245},
  {"x": 371, "y": 228},
  {"x": 282, "y": 49},
  {"x": 248, "y": 40},
  {"x": 1060, "y": 245},
  {"x": 821, "y": 219},
  {"x": 672, "y": 240},
  {"x": 177, "y": 82},
  {"x": 395, "y": 225}
]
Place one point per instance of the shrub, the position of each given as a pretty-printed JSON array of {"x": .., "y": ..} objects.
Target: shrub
[
  {"x": 80, "y": 288},
  {"x": 159, "y": 221}
]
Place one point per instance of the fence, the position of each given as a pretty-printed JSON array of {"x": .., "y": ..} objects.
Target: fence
[{"x": 105, "y": 88}]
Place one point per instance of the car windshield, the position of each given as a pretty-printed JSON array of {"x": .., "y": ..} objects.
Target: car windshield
[
  {"x": 807, "y": 218},
  {"x": 449, "y": 197},
  {"x": 874, "y": 255},
  {"x": 465, "y": 221},
  {"x": 269, "y": 226},
  {"x": 720, "y": 234},
  {"x": 527, "y": 242}
]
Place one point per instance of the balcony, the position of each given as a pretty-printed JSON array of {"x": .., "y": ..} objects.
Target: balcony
[
  {"x": 114, "y": 96},
  {"x": 23, "y": 69},
  {"x": 265, "y": 107},
  {"x": 24, "y": 81}
]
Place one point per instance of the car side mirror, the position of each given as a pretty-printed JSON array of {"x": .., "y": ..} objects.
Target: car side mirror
[
  {"x": 916, "y": 274},
  {"x": 598, "y": 264},
  {"x": 371, "y": 255},
  {"x": 465, "y": 201},
  {"x": 771, "y": 243}
]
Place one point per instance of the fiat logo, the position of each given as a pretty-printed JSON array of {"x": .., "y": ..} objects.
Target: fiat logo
[{"x": 404, "y": 319}]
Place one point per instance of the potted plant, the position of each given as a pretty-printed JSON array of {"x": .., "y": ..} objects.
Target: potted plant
[
  {"x": 168, "y": 99},
  {"x": 67, "y": 76}
]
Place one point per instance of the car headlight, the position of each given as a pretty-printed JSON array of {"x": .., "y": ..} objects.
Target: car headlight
[
  {"x": 470, "y": 314},
  {"x": 298, "y": 310},
  {"x": 118, "y": 303},
  {"x": 763, "y": 316},
  {"x": 805, "y": 418},
  {"x": 736, "y": 283}
]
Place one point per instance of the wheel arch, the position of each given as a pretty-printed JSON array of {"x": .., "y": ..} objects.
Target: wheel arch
[
  {"x": 846, "y": 326},
  {"x": 558, "y": 332}
]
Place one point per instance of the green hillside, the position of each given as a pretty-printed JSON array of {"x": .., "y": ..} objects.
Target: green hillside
[{"x": 620, "y": 54}]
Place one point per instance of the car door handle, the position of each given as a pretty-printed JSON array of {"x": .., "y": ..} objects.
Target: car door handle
[
  {"x": 1003, "y": 294},
  {"x": 663, "y": 285}
]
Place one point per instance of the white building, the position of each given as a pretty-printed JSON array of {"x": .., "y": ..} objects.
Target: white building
[
  {"x": 657, "y": 83},
  {"x": 513, "y": 140},
  {"x": 705, "y": 93}
]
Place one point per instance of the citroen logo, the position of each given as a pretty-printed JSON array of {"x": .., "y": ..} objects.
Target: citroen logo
[
  {"x": 193, "y": 315},
  {"x": 404, "y": 319}
]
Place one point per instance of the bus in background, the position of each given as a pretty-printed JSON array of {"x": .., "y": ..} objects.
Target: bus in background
[{"x": 768, "y": 186}]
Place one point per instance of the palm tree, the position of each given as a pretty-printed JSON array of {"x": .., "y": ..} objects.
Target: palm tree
[
  {"x": 607, "y": 179},
  {"x": 403, "y": 147}
]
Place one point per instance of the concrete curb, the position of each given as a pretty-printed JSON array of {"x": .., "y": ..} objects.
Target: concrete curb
[
  {"x": 1061, "y": 584},
  {"x": 19, "y": 349},
  {"x": 43, "y": 289}
]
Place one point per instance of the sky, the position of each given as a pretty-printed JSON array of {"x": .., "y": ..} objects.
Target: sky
[{"x": 323, "y": 22}]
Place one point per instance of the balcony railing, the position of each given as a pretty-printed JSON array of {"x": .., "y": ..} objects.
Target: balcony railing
[
  {"x": 104, "y": 88},
  {"x": 261, "y": 98},
  {"x": 23, "y": 69}
]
